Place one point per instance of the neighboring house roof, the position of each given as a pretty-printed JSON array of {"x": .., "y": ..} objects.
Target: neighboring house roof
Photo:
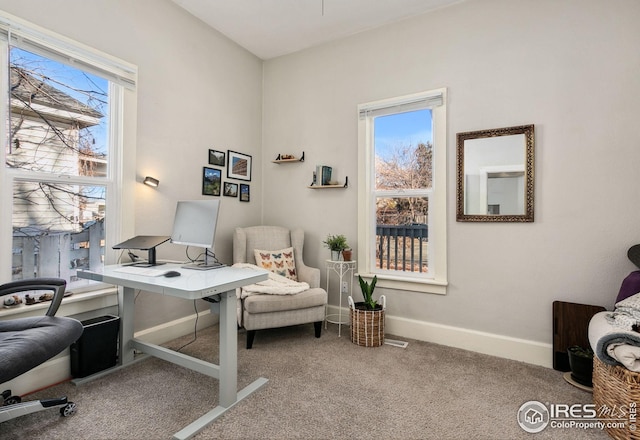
[{"x": 36, "y": 96}]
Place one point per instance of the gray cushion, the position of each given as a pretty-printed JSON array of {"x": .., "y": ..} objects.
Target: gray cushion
[
  {"x": 259, "y": 321},
  {"x": 278, "y": 303},
  {"x": 25, "y": 343}
]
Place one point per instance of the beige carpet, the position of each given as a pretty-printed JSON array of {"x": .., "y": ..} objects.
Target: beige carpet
[{"x": 325, "y": 388}]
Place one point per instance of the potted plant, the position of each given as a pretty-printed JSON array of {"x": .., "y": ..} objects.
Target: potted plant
[
  {"x": 336, "y": 244},
  {"x": 367, "y": 317},
  {"x": 581, "y": 364}
]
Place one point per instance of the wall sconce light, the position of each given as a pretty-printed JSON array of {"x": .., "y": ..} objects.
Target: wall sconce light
[{"x": 150, "y": 181}]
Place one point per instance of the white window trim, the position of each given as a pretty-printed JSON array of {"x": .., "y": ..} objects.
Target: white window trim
[
  {"x": 437, "y": 199},
  {"x": 123, "y": 135},
  {"x": 44, "y": 42}
]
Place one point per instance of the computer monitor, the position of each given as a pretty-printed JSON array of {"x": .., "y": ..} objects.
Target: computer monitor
[
  {"x": 195, "y": 225},
  {"x": 144, "y": 243}
]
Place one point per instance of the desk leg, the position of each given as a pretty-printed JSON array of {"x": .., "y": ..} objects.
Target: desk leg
[
  {"x": 228, "y": 378},
  {"x": 228, "y": 381},
  {"x": 126, "y": 311}
]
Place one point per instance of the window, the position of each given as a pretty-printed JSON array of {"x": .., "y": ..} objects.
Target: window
[
  {"x": 63, "y": 137},
  {"x": 402, "y": 192}
]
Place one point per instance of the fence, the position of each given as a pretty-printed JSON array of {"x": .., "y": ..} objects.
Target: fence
[
  {"x": 398, "y": 247},
  {"x": 58, "y": 255},
  {"x": 402, "y": 247}
]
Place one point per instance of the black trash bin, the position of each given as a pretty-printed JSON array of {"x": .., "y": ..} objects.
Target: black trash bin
[{"x": 97, "y": 348}]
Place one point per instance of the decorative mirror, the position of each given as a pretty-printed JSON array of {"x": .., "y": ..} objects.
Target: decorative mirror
[{"x": 495, "y": 175}]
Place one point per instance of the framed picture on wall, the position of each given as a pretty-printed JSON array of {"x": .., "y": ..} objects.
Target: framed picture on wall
[
  {"x": 238, "y": 165},
  {"x": 230, "y": 189},
  {"x": 211, "y": 181},
  {"x": 216, "y": 158},
  {"x": 245, "y": 195}
]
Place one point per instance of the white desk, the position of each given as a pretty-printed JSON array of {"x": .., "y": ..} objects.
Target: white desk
[{"x": 193, "y": 284}]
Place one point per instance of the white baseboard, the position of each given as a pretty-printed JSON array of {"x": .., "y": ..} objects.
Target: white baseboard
[
  {"x": 58, "y": 369},
  {"x": 523, "y": 350},
  {"x": 179, "y": 327},
  {"x": 53, "y": 371},
  {"x": 506, "y": 347}
]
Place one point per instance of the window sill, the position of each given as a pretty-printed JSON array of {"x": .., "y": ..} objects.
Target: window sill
[
  {"x": 72, "y": 305},
  {"x": 410, "y": 284}
]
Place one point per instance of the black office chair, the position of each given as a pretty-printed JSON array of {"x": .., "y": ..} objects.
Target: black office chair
[{"x": 26, "y": 343}]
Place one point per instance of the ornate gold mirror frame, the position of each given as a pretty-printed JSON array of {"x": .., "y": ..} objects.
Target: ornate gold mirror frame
[{"x": 495, "y": 177}]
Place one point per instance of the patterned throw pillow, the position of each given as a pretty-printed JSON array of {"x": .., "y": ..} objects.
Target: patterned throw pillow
[{"x": 280, "y": 262}]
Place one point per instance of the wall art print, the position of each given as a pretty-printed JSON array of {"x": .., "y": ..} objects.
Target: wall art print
[
  {"x": 211, "y": 181},
  {"x": 245, "y": 194},
  {"x": 238, "y": 165},
  {"x": 217, "y": 158},
  {"x": 230, "y": 189}
]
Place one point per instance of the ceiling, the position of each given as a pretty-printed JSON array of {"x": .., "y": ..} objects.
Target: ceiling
[{"x": 270, "y": 28}]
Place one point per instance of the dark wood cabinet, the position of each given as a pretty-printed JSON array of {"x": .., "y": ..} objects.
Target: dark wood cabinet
[{"x": 570, "y": 327}]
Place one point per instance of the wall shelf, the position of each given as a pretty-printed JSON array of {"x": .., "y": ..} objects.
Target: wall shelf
[
  {"x": 279, "y": 160},
  {"x": 346, "y": 185}
]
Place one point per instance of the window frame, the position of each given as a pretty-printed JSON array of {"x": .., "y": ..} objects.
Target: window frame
[
  {"x": 120, "y": 178},
  {"x": 437, "y": 194}
]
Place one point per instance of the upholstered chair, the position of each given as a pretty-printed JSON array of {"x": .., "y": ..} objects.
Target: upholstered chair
[{"x": 263, "y": 311}]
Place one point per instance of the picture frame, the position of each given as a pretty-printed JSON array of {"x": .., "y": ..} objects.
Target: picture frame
[
  {"x": 238, "y": 165},
  {"x": 217, "y": 158},
  {"x": 230, "y": 189},
  {"x": 211, "y": 181},
  {"x": 245, "y": 194}
]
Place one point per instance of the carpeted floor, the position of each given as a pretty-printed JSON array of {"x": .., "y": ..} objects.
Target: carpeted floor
[{"x": 325, "y": 388}]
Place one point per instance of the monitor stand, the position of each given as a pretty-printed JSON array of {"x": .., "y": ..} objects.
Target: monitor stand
[
  {"x": 151, "y": 259},
  {"x": 205, "y": 265},
  {"x": 144, "y": 243}
]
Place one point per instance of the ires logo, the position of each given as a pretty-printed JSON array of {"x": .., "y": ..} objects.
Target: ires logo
[
  {"x": 534, "y": 416},
  {"x": 576, "y": 411}
]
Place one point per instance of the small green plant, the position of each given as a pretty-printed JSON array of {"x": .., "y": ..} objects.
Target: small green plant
[
  {"x": 580, "y": 351},
  {"x": 336, "y": 242},
  {"x": 367, "y": 292}
]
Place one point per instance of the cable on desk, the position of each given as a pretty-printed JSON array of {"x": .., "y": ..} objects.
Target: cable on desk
[
  {"x": 212, "y": 255},
  {"x": 195, "y": 328},
  {"x": 133, "y": 257},
  {"x": 198, "y": 259}
]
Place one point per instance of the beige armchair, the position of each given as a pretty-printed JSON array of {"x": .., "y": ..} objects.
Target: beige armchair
[{"x": 271, "y": 311}]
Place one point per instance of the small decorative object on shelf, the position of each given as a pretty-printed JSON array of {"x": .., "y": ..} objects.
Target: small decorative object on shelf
[
  {"x": 323, "y": 175},
  {"x": 283, "y": 158},
  {"x": 12, "y": 300}
]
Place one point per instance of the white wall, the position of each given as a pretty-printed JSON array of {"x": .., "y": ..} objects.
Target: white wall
[
  {"x": 196, "y": 90},
  {"x": 568, "y": 66}
]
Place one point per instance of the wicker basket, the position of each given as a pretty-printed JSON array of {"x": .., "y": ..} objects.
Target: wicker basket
[
  {"x": 616, "y": 395},
  {"x": 367, "y": 326}
]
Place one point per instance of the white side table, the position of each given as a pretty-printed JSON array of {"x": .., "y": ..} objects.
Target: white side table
[{"x": 340, "y": 268}]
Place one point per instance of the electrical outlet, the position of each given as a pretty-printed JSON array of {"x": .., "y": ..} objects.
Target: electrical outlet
[{"x": 345, "y": 287}]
